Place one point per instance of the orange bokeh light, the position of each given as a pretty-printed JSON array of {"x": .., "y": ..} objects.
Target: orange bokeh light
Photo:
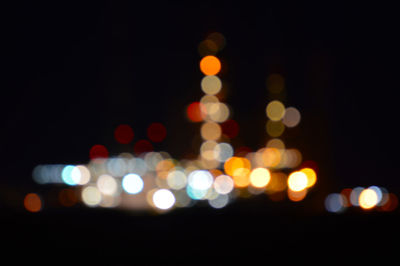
[
  {"x": 195, "y": 112},
  {"x": 32, "y": 202},
  {"x": 235, "y": 163},
  {"x": 210, "y": 65}
]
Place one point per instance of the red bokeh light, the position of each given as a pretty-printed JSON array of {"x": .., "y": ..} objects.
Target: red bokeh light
[
  {"x": 123, "y": 134},
  {"x": 230, "y": 128},
  {"x": 195, "y": 112},
  {"x": 156, "y": 132},
  {"x": 142, "y": 146},
  {"x": 98, "y": 151}
]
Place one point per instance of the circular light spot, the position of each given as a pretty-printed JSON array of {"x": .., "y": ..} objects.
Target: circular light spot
[
  {"x": 260, "y": 177},
  {"x": 123, "y": 134},
  {"x": 207, "y": 150},
  {"x": 142, "y": 146},
  {"x": 200, "y": 180},
  {"x": 275, "y": 110},
  {"x": 368, "y": 198},
  {"x": 211, "y": 85},
  {"x": 210, "y": 65},
  {"x": 354, "y": 195},
  {"x": 297, "y": 181},
  {"x": 335, "y": 202},
  {"x": 176, "y": 180},
  {"x": 163, "y": 199},
  {"x": 195, "y": 112},
  {"x": 210, "y": 131},
  {"x": 107, "y": 184},
  {"x": 32, "y": 202},
  {"x": 91, "y": 196},
  {"x": 276, "y": 143},
  {"x": 311, "y": 176},
  {"x": 69, "y": 174},
  {"x": 84, "y": 176},
  {"x": 223, "y": 184},
  {"x": 235, "y": 163},
  {"x": 223, "y": 151},
  {"x": 218, "y": 112},
  {"x": 132, "y": 183},
  {"x": 275, "y": 128},
  {"x": 292, "y": 117},
  {"x": 230, "y": 128},
  {"x": 156, "y": 132},
  {"x": 98, "y": 151},
  {"x": 219, "y": 202}
]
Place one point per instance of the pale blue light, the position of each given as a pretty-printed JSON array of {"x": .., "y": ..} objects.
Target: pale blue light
[{"x": 67, "y": 175}]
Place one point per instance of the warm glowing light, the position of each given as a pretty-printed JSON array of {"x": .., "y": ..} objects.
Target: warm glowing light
[
  {"x": 210, "y": 131},
  {"x": 210, "y": 65},
  {"x": 123, "y": 134},
  {"x": 207, "y": 47},
  {"x": 275, "y": 110},
  {"x": 241, "y": 177},
  {"x": 275, "y": 83},
  {"x": 223, "y": 184},
  {"x": 297, "y": 195},
  {"x": 132, "y": 183},
  {"x": 107, "y": 184},
  {"x": 211, "y": 85},
  {"x": 163, "y": 167},
  {"x": 260, "y": 177},
  {"x": 98, "y": 151},
  {"x": 32, "y": 202},
  {"x": 195, "y": 112},
  {"x": 218, "y": 39},
  {"x": 218, "y": 112},
  {"x": 291, "y": 158},
  {"x": 276, "y": 143},
  {"x": 207, "y": 150},
  {"x": 275, "y": 128},
  {"x": 91, "y": 196},
  {"x": 156, "y": 132},
  {"x": 163, "y": 199},
  {"x": 368, "y": 198},
  {"x": 311, "y": 176},
  {"x": 277, "y": 183},
  {"x": 84, "y": 175},
  {"x": 270, "y": 157},
  {"x": 297, "y": 181},
  {"x": 292, "y": 117},
  {"x": 176, "y": 179},
  {"x": 234, "y": 163}
]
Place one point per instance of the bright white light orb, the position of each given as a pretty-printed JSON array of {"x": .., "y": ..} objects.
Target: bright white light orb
[
  {"x": 132, "y": 184},
  {"x": 163, "y": 199}
]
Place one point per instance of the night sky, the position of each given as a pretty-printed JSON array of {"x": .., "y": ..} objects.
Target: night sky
[{"x": 73, "y": 72}]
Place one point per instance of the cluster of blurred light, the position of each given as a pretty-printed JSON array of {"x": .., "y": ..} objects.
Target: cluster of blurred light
[{"x": 373, "y": 197}]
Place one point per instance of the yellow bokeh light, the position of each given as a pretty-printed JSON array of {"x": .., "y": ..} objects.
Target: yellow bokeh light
[
  {"x": 210, "y": 65},
  {"x": 368, "y": 198},
  {"x": 276, "y": 143},
  {"x": 210, "y": 131},
  {"x": 260, "y": 177},
  {"x": 311, "y": 176},
  {"x": 211, "y": 85},
  {"x": 275, "y": 110},
  {"x": 234, "y": 163},
  {"x": 275, "y": 128},
  {"x": 297, "y": 181}
]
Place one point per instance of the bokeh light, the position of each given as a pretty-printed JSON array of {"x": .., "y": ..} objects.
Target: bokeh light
[
  {"x": 200, "y": 180},
  {"x": 107, "y": 184},
  {"x": 223, "y": 184},
  {"x": 275, "y": 128},
  {"x": 123, "y": 134},
  {"x": 142, "y": 146},
  {"x": 223, "y": 151},
  {"x": 33, "y": 202},
  {"x": 275, "y": 110},
  {"x": 311, "y": 176},
  {"x": 132, "y": 183},
  {"x": 230, "y": 128},
  {"x": 163, "y": 199},
  {"x": 335, "y": 202},
  {"x": 156, "y": 132},
  {"x": 219, "y": 202},
  {"x": 98, "y": 151},
  {"x": 210, "y": 131},
  {"x": 368, "y": 198},
  {"x": 211, "y": 85},
  {"x": 91, "y": 196},
  {"x": 195, "y": 112},
  {"x": 260, "y": 177},
  {"x": 210, "y": 65},
  {"x": 297, "y": 181},
  {"x": 292, "y": 117},
  {"x": 176, "y": 179}
]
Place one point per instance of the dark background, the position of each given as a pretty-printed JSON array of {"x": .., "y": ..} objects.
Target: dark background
[{"x": 73, "y": 72}]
